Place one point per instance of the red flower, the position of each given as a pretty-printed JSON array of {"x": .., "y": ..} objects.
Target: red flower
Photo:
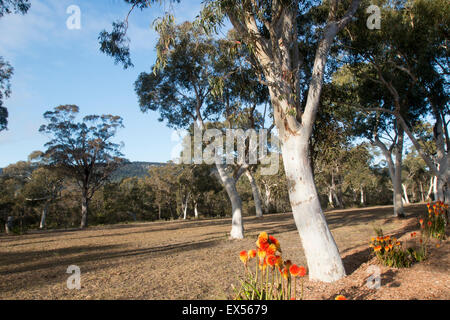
[
  {"x": 271, "y": 260},
  {"x": 252, "y": 254},
  {"x": 243, "y": 256},
  {"x": 340, "y": 297},
  {"x": 297, "y": 271},
  {"x": 429, "y": 223}
]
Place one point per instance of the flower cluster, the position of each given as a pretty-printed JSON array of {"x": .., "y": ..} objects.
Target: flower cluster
[
  {"x": 272, "y": 277},
  {"x": 434, "y": 223},
  {"x": 390, "y": 252}
]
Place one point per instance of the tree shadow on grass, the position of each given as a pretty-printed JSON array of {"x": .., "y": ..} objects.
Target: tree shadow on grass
[{"x": 99, "y": 257}]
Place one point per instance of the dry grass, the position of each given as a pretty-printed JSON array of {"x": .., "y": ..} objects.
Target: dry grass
[{"x": 195, "y": 260}]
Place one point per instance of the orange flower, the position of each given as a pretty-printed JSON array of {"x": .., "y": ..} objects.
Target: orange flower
[
  {"x": 421, "y": 221},
  {"x": 271, "y": 249},
  {"x": 285, "y": 273},
  {"x": 275, "y": 242},
  {"x": 386, "y": 248},
  {"x": 243, "y": 256},
  {"x": 263, "y": 241},
  {"x": 262, "y": 266},
  {"x": 252, "y": 254},
  {"x": 340, "y": 297},
  {"x": 271, "y": 260},
  {"x": 261, "y": 254},
  {"x": 398, "y": 243},
  {"x": 428, "y": 205},
  {"x": 297, "y": 271},
  {"x": 377, "y": 248},
  {"x": 390, "y": 246},
  {"x": 279, "y": 261},
  {"x": 372, "y": 239},
  {"x": 387, "y": 238}
]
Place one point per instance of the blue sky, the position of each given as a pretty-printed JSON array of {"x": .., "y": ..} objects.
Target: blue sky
[{"x": 54, "y": 65}]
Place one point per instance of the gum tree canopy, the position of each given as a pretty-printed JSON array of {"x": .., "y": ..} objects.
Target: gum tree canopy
[
  {"x": 6, "y": 71},
  {"x": 82, "y": 150},
  {"x": 279, "y": 34}
]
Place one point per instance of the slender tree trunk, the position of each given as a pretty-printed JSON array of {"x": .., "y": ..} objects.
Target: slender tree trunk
[
  {"x": 255, "y": 191},
  {"x": 398, "y": 204},
  {"x": 430, "y": 189},
  {"x": 268, "y": 199},
  {"x": 159, "y": 211},
  {"x": 229, "y": 183},
  {"x": 185, "y": 207},
  {"x": 435, "y": 188},
  {"x": 405, "y": 193},
  {"x": 330, "y": 198},
  {"x": 84, "y": 210},
  {"x": 324, "y": 261},
  {"x": 9, "y": 224},
  {"x": 195, "y": 210},
  {"x": 422, "y": 196},
  {"x": 362, "y": 195},
  {"x": 44, "y": 215}
]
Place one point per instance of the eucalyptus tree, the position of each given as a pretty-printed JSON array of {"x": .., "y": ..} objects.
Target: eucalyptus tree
[
  {"x": 6, "y": 71},
  {"x": 408, "y": 59},
  {"x": 198, "y": 86},
  {"x": 44, "y": 187},
  {"x": 275, "y": 34},
  {"x": 82, "y": 151}
]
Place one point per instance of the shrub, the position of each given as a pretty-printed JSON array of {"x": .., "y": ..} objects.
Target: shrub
[
  {"x": 433, "y": 224},
  {"x": 273, "y": 278}
]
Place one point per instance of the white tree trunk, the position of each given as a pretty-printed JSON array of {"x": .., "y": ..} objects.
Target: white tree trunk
[
  {"x": 195, "y": 210},
  {"x": 330, "y": 198},
  {"x": 44, "y": 215},
  {"x": 430, "y": 189},
  {"x": 84, "y": 210},
  {"x": 229, "y": 183},
  {"x": 324, "y": 261},
  {"x": 405, "y": 193},
  {"x": 185, "y": 207},
  {"x": 362, "y": 195},
  {"x": 255, "y": 191},
  {"x": 268, "y": 199},
  {"x": 435, "y": 188}
]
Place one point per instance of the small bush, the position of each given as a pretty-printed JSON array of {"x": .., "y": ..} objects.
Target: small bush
[{"x": 273, "y": 278}]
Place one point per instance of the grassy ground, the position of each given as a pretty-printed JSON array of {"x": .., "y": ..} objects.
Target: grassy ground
[{"x": 195, "y": 260}]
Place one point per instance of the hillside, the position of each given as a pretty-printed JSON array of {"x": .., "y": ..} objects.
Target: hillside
[{"x": 134, "y": 169}]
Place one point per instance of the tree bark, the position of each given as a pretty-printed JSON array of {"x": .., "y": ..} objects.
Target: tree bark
[
  {"x": 267, "y": 200},
  {"x": 255, "y": 191},
  {"x": 44, "y": 215},
  {"x": 362, "y": 195},
  {"x": 84, "y": 210},
  {"x": 229, "y": 183},
  {"x": 430, "y": 189},
  {"x": 405, "y": 193},
  {"x": 324, "y": 261},
  {"x": 159, "y": 211},
  {"x": 195, "y": 210}
]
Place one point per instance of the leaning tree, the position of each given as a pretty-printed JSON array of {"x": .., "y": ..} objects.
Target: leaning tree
[
  {"x": 82, "y": 151},
  {"x": 276, "y": 34}
]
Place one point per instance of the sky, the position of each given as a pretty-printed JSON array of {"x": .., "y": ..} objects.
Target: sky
[{"x": 54, "y": 65}]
